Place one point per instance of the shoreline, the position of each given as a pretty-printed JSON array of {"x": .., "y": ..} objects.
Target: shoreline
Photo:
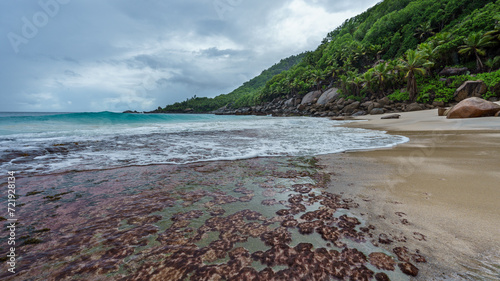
[
  {"x": 381, "y": 192},
  {"x": 443, "y": 183}
]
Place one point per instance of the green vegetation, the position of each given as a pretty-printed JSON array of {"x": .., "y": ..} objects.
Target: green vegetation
[
  {"x": 399, "y": 96},
  {"x": 394, "y": 45}
]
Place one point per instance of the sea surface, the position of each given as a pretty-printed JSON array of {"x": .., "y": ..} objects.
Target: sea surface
[{"x": 41, "y": 143}]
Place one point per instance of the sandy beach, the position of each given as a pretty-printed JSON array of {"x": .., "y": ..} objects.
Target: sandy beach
[{"x": 439, "y": 191}]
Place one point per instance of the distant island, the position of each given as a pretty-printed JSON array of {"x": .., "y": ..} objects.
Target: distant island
[{"x": 397, "y": 56}]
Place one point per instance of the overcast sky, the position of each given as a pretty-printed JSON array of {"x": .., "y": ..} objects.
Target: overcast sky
[{"x": 96, "y": 55}]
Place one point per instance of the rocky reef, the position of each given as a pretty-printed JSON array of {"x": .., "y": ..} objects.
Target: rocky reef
[{"x": 256, "y": 219}]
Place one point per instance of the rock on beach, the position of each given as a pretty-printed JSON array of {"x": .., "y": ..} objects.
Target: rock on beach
[{"x": 473, "y": 107}]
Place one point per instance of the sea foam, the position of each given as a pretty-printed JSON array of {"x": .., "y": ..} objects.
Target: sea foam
[{"x": 83, "y": 141}]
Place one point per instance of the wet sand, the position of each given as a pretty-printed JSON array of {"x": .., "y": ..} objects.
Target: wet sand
[{"x": 440, "y": 191}]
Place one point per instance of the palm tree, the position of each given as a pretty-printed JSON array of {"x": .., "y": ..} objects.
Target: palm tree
[
  {"x": 475, "y": 44},
  {"x": 424, "y": 31},
  {"x": 442, "y": 38},
  {"x": 375, "y": 50},
  {"x": 358, "y": 83},
  {"x": 381, "y": 72},
  {"x": 496, "y": 31},
  {"x": 491, "y": 63},
  {"x": 344, "y": 82},
  {"x": 428, "y": 52},
  {"x": 440, "y": 43},
  {"x": 414, "y": 64},
  {"x": 355, "y": 81},
  {"x": 287, "y": 83},
  {"x": 294, "y": 85},
  {"x": 369, "y": 80},
  {"x": 317, "y": 77},
  {"x": 393, "y": 68}
]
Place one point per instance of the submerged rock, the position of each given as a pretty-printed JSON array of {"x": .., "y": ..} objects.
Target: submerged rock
[
  {"x": 408, "y": 269},
  {"x": 382, "y": 261},
  {"x": 381, "y": 277}
]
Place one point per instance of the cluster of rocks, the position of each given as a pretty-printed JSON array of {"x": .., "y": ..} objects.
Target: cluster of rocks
[
  {"x": 331, "y": 104},
  {"x": 327, "y": 104}
]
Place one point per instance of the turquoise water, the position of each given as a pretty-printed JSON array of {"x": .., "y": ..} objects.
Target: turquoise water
[
  {"x": 39, "y": 122},
  {"x": 54, "y": 142}
]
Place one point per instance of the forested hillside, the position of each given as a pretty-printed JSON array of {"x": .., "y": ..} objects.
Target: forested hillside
[{"x": 394, "y": 45}]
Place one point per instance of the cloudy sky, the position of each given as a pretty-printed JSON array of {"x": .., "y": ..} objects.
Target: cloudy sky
[{"x": 95, "y": 55}]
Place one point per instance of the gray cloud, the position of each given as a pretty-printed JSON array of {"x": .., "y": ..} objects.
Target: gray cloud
[
  {"x": 127, "y": 54},
  {"x": 216, "y": 52}
]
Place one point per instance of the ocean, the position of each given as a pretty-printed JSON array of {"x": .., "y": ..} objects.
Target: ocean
[{"x": 42, "y": 143}]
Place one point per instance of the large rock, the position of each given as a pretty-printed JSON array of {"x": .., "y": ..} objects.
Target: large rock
[
  {"x": 351, "y": 107},
  {"x": 473, "y": 107},
  {"x": 377, "y": 111},
  {"x": 309, "y": 98},
  {"x": 290, "y": 102},
  {"x": 414, "y": 107},
  {"x": 408, "y": 269},
  {"x": 470, "y": 89},
  {"x": 438, "y": 104},
  {"x": 366, "y": 104},
  {"x": 383, "y": 102},
  {"x": 451, "y": 71},
  {"x": 328, "y": 96}
]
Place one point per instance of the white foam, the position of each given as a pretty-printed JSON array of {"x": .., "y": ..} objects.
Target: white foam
[{"x": 186, "y": 142}]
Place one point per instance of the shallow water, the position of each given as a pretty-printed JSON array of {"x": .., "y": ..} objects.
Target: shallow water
[
  {"x": 44, "y": 144},
  {"x": 191, "y": 221}
]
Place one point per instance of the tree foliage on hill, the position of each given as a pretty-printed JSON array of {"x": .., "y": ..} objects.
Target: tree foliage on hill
[{"x": 394, "y": 44}]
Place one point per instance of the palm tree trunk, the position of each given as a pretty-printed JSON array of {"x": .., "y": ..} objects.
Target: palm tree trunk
[
  {"x": 411, "y": 88},
  {"x": 479, "y": 62},
  {"x": 381, "y": 88}
]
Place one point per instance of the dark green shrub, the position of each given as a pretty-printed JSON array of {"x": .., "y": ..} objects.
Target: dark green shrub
[{"x": 399, "y": 96}]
